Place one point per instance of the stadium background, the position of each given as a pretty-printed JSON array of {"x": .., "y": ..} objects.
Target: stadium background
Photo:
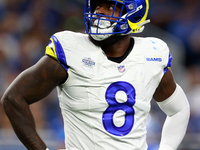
[{"x": 25, "y": 29}]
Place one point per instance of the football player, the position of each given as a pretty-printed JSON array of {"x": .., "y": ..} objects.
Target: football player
[{"x": 105, "y": 81}]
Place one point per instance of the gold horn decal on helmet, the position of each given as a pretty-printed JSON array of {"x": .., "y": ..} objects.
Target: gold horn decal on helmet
[
  {"x": 136, "y": 26},
  {"x": 120, "y": 1}
]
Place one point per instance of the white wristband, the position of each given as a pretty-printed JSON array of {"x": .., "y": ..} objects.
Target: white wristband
[
  {"x": 165, "y": 147},
  {"x": 47, "y": 149}
]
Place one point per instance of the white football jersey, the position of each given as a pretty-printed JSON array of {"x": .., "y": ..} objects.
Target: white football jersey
[{"x": 105, "y": 104}]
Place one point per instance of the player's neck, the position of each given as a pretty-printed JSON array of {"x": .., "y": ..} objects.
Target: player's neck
[
  {"x": 114, "y": 46},
  {"x": 121, "y": 58},
  {"x": 117, "y": 49}
]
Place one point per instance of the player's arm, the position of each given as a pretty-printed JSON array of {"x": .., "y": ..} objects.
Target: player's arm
[
  {"x": 173, "y": 102},
  {"x": 29, "y": 87}
]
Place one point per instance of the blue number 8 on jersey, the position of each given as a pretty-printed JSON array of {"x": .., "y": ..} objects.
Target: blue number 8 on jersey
[{"x": 114, "y": 106}]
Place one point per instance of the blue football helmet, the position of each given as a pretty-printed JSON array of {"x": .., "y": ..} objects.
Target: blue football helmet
[{"x": 131, "y": 20}]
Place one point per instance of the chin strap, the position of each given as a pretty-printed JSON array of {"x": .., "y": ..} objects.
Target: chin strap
[
  {"x": 106, "y": 27},
  {"x": 99, "y": 36}
]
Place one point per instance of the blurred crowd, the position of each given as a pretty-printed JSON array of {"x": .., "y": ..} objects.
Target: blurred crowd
[{"x": 27, "y": 25}]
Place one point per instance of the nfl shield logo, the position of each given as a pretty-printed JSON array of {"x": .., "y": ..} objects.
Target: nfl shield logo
[{"x": 121, "y": 68}]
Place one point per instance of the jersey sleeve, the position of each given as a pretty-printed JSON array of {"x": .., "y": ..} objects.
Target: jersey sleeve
[
  {"x": 56, "y": 51},
  {"x": 161, "y": 49},
  {"x": 169, "y": 62}
]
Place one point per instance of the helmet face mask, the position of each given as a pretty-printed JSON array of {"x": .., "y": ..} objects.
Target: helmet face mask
[{"x": 101, "y": 26}]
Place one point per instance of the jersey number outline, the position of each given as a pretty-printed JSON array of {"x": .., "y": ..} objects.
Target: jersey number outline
[{"x": 114, "y": 106}]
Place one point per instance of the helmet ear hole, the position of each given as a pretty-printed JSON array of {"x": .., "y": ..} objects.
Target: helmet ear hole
[{"x": 137, "y": 18}]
